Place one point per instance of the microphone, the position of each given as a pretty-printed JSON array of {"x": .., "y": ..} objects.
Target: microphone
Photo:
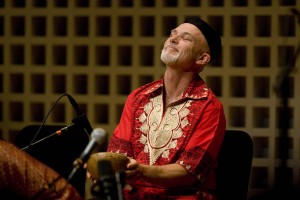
[
  {"x": 110, "y": 183},
  {"x": 98, "y": 137},
  {"x": 81, "y": 118},
  {"x": 75, "y": 105}
]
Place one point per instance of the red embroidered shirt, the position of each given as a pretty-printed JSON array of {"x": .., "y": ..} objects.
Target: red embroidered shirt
[{"x": 188, "y": 132}]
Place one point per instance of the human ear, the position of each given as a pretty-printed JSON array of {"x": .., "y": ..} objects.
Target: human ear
[{"x": 203, "y": 59}]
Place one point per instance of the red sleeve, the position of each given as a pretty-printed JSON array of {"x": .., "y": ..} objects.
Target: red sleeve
[
  {"x": 202, "y": 149},
  {"x": 120, "y": 139}
]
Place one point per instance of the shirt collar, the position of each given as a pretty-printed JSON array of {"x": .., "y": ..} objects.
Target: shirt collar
[{"x": 197, "y": 89}]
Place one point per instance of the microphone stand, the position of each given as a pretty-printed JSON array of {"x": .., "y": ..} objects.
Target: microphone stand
[
  {"x": 56, "y": 133},
  {"x": 80, "y": 120},
  {"x": 283, "y": 91}
]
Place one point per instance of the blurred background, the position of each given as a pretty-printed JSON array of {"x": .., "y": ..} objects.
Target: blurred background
[{"x": 98, "y": 51}]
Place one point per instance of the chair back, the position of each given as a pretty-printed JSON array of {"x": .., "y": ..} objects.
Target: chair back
[{"x": 235, "y": 161}]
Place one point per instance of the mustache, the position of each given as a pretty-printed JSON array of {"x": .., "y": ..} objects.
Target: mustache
[{"x": 170, "y": 46}]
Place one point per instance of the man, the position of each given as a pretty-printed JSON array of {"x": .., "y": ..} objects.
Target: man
[{"x": 172, "y": 129}]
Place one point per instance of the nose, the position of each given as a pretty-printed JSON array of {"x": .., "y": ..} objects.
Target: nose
[{"x": 174, "y": 38}]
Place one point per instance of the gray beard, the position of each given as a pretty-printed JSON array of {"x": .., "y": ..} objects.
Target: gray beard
[{"x": 167, "y": 58}]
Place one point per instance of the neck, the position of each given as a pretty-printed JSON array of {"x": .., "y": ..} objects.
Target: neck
[{"x": 175, "y": 84}]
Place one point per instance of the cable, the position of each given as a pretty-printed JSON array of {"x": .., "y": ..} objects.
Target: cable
[
  {"x": 50, "y": 185},
  {"x": 44, "y": 121}
]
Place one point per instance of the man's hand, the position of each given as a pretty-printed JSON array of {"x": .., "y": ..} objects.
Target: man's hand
[
  {"x": 89, "y": 175},
  {"x": 133, "y": 172},
  {"x": 171, "y": 175}
]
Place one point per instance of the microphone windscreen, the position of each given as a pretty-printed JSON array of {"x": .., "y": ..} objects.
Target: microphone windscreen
[{"x": 98, "y": 134}]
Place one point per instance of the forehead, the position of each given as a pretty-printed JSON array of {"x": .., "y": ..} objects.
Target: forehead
[{"x": 189, "y": 28}]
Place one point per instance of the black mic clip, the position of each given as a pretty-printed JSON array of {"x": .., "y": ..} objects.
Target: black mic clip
[{"x": 82, "y": 121}]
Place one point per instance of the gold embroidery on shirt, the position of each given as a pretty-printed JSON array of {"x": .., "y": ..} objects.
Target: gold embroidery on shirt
[{"x": 160, "y": 131}]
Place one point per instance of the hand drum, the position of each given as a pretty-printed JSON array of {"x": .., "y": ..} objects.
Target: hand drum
[{"x": 118, "y": 162}]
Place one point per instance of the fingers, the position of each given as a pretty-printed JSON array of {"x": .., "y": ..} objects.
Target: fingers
[
  {"x": 130, "y": 173},
  {"x": 133, "y": 170},
  {"x": 132, "y": 164},
  {"x": 89, "y": 176}
]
